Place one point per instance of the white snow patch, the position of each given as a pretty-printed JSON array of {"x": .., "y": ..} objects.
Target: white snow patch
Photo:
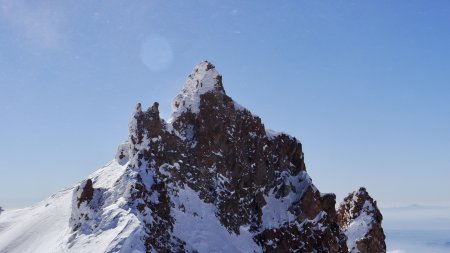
[
  {"x": 107, "y": 176},
  {"x": 276, "y": 211},
  {"x": 360, "y": 226},
  {"x": 239, "y": 107},
  {"x": 271, "y": 134},
  {"x": 196, "y": 223}
]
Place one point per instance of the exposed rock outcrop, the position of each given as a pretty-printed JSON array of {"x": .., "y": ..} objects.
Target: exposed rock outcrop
[
  {"x": 360, "y": 218},
  {"x": 87, "y": 192}
]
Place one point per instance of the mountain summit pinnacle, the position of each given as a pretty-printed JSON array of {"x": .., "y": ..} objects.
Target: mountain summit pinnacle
[{"x": 204, "y": 78}]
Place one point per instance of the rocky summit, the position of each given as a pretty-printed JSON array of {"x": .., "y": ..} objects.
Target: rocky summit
[
  {"x": 212, "y": 178},
  {"x": 360, "y": 219}
]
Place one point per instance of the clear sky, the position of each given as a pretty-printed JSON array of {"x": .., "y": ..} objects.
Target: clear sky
[{"x": 365, "y": 85}]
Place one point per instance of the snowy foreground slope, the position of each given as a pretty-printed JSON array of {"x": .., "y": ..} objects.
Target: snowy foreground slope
[
  {"x": 211, "y": 179},
  {"x": 44, "y": 227}
]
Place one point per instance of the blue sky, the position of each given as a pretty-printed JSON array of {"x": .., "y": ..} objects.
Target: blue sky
[{"x": 365, "y": 85}]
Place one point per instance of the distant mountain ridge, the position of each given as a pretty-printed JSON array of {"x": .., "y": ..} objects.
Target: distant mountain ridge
[
  {"x": 415, "y": 207},
  {"x": 211, "y": 179}
]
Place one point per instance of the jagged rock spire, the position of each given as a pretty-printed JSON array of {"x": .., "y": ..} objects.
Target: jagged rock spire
[
  {"x": 360, "y": 218},
  {"x": 203, "y": 79}
]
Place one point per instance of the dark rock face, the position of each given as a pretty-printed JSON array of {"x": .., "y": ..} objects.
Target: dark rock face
[
  {"x": 87, "y": 193},
  {"x": 253, "y": 179},
  {"x": 359, "y": 210},
  {"x": 87, "y": 200}
]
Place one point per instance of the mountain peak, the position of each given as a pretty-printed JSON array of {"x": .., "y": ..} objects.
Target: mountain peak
[
  {"x": 203, "y": 79},
  {"x": 212, "y": 180},
  {"x": 360, "y": 219}
]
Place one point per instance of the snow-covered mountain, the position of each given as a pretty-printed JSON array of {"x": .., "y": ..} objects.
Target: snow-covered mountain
[{"x": 210, "y": 179}]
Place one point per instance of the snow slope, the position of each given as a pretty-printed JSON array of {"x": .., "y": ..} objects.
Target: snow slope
[
  {"x": 37, "y": 228},
  {"x": 44, "y": 227}
]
